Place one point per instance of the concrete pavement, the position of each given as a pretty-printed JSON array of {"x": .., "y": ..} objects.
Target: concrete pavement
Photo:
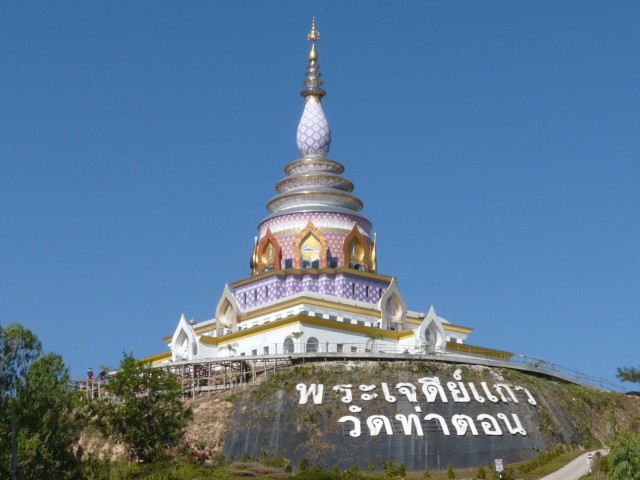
[{"x": 575, "y": 469}]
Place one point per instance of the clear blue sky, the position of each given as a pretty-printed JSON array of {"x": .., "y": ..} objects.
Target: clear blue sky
[{"x": 495, "y": 146}]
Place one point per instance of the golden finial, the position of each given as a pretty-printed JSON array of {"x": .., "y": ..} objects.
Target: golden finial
[
  {"x": 313, "y": 82},
  {"x": 313, "y": 55},
  {"x": 314, "y": 35},
  {"x": 374, "y": 255},
  {"x": 254, "y": 257}
]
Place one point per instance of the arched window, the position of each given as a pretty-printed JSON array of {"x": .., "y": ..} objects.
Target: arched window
[
  {"x": 313, "y": 345},
  {"x": 288, "y": 345},
  {"x": 394, "y": 314},
  {"x": 269, "y": 256},
  {"x": 181, "y": 347},
  {"x": 310, "y": 252},
  {"x": 227, "y": 317},
  {"x": 356, "y": 254},
  {"x": 429, "y": 337},
  {"x": 370, "y": 345},
  {"x": 268, "y": 253},
  {"x": 310, "y": 248},
  {"x": 185, "y": 348}
]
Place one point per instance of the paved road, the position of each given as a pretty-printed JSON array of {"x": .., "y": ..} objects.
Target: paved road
[{"x": 574, "y": 470}]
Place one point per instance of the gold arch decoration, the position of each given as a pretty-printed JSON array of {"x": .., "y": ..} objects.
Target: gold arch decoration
[
  {"x": 269, "y": 253},
  {"x": 301, "y": 239},
  {"x": 356, "y": 249}
]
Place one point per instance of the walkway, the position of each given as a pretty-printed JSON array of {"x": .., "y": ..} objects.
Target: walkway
[{"x": 574, "y": 470}]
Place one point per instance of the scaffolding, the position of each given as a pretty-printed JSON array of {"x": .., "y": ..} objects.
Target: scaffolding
[{"x": 201, "y": 378}]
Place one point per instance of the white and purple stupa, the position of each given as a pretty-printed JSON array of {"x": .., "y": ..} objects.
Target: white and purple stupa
[{"x": 314, "y": 286}]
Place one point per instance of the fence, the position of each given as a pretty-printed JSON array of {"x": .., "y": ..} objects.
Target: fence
[
  {"x": 462, "y": 353},
  {"x": 203, "y": 377}
]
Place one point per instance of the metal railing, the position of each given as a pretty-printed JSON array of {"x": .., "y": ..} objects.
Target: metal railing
[
  {"x": 461, "y": 354},
  {"x": 203, "y": 377}
]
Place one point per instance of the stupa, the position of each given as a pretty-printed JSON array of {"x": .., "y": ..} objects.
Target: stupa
[{"x": 314, "y": 287}]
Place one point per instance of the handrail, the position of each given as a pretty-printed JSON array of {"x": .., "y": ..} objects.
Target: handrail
[
  {"x": 517, "y": 361},
  {"x": 237, "y": 370}
]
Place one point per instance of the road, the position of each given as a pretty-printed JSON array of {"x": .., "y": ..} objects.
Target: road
[{"x": 574, "y": 470}]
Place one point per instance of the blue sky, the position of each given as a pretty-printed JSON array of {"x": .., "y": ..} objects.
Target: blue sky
[{"x": 495, "y": 146}]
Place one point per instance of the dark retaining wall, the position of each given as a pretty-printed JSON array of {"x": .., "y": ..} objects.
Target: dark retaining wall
[{"x": 271, "y": 422}]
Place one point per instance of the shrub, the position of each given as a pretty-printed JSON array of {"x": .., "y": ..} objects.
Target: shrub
[
  {"x": 304, "y": 465},
  {"x": 150, "y": 417},
  {"x": 624, "y": 457},
  {"x": 393, "y": 469},
  {"x": 96, "y": 469},
  {"x": 450, "y": 473}
]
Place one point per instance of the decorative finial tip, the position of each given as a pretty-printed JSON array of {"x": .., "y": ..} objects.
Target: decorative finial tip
[{"x": 314, "y": 35}]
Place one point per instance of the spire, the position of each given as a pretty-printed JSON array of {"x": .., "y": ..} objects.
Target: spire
[
  {"x": 314, "y": 36},
  {"x": 313, "y": 74},
  {"x": 314, "y": 189},
  {"x": 313, "y": 136},
  {"x": 314, "y": 182}
]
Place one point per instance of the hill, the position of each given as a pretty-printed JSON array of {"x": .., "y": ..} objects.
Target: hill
[
  {"x": 421, "y": 414},
  {"x": 424, "y": 415}
]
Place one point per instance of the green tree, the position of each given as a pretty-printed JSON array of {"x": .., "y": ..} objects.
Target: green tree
[
  {"x": 40, "y": 420},
  {"x": 629, "y": 374},
  {"x": 50, "y": 421},
  {"x": 18, "y": 348},
  {"x": 146, "y": 413},
  {"x": 624, "y": 457}
]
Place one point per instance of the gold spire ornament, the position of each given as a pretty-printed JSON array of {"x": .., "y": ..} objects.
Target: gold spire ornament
[
  {"x": 314, "y": 35},
  {"x": 374, "y": 255},
  {"x": 254, "y": 257},
  {"x": 313, "y": 91}
]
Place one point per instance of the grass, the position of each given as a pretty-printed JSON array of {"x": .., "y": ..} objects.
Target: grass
[
  {"x": 174, "y": 470},
  {"x": 185, "y": 471}
]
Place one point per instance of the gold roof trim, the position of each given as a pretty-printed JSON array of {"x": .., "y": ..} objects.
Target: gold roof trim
[
  {"x": 313, "y": 271},
  {"x": 303, "y": 319},
  {"x": 456, "y": 328},
  {"x": 208, "y": 340},
  {"x": 488, "y": 352},
  {"x": 373, "y": 311},
  {"x": 157, "y": 358}
]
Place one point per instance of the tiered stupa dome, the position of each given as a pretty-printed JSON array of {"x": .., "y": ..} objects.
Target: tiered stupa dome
[{"x": 314, "y": 199}]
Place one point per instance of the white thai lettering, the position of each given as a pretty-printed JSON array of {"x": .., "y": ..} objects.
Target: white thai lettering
[{"x": 315, "y": 390}]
